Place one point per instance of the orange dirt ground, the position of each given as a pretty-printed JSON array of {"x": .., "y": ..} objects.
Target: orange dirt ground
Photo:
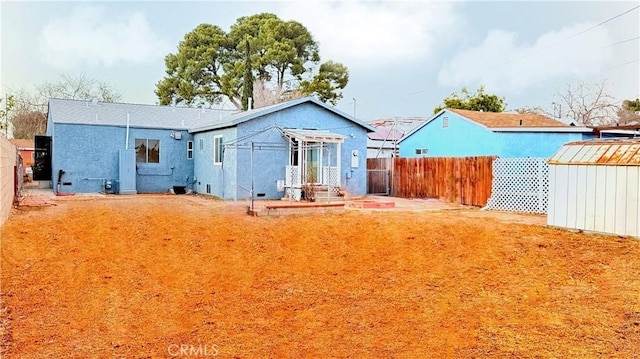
[{"x": 146, "y": 276}]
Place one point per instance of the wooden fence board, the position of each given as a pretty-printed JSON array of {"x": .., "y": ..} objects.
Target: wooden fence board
[{"x": 463, "y": 180}]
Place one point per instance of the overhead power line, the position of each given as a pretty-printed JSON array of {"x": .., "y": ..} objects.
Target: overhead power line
[
  {"x": 618, "y": 43},
  {"x": 566, "y": 39},
  {"x": 624, "y": 64},
  {"x": 547, "y": 47}
]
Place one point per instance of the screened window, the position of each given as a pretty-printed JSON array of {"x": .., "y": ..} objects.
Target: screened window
[
  {"x": 445, "y": 122},
  {"x": 189, "y": 150},
  {"x": 217, "y": 149},
  {"x": 201, "y": 144},
  {"x": 147, "y": 151},
  {"x": 294, "y": 152}
]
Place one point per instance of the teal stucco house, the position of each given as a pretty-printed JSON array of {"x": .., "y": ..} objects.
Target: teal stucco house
[{"x": 460, "y": 133}]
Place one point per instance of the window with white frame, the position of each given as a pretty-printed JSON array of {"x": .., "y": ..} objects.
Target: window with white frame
[
  {"x": 217, "y": 149},
  {"x": 189, "y": 150},
  {"x": 445, "y": 122},
  {"x": 147, "y": 151}
]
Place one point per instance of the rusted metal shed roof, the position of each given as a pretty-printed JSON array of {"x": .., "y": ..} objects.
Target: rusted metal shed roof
[{"x": 609, "y": 152}]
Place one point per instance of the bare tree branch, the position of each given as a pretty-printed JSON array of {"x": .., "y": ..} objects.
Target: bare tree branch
[
  {"x": 264, "y": 96},
  {"x": 589, "y": 104},
  {"x": 77, "y": 87},
  {"x": 29, "y": 117}
]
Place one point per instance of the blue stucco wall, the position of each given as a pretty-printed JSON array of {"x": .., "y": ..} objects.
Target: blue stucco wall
[
  {"x": 220, "y": 178},
  {"x": 269, "y": 164},
  {"x": 466, "y": 138},
  {"x": 533, "y": 144},
  {"x": 89, "y": 154},
  {"x": 461, "y": 138}
]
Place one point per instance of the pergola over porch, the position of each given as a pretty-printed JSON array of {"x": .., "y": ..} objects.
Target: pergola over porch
[{"x": 314, "y": 158}]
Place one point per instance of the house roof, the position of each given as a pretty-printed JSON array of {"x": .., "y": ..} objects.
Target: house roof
[
  {"x": 143, "y": 116},
  {"x": 508, "y": 122},
  {"x": 240, "y": 117},
  {"x": 502, "y": 119},
  {"x": 386, "y": 134},
  {"x": 612, "y": 152},
  {"x": 23, "y": 144},
  {"x": 393, "y": 129}
]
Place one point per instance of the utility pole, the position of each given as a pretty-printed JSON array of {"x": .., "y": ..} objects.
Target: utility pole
[
  {"x": 354, "y": 107},
  {"x": 393, "y": 133}
]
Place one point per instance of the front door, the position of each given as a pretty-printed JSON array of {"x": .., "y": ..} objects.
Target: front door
[{"x": 313, "y": 163}]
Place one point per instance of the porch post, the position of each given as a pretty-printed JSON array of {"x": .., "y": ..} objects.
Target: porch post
[
  {"x": 301, "y": 165},
  {"x": 338, "y": 156},
  {"x": 320, "y": 178}
]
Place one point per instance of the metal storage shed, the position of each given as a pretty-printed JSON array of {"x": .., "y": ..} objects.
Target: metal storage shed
[{"x": 595, "y": 186}]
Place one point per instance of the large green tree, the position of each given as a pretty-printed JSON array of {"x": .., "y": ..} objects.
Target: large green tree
[
  {"x": 211, "y": 65},
  {"x": 631, "y": 105},
  {"x": 478, "y": 101},
  {"x": 629, "y": 112}
]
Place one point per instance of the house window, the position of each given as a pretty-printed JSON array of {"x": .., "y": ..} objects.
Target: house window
[
  {"x": 201, "y": 144},
  {"x": 217, "y": 150},
  {"x": 147, "y": 151},
  {"x": 189, "y": 150},
  {"x": 421, "y": 151},
  {"x": 445, "y": 122},
  {"x": 294, "y": 152}
]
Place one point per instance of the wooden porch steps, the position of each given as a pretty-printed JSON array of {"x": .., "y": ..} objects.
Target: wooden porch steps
[
  {"x": 296, "y": 208},
  {"x": 324, "y": 194}
]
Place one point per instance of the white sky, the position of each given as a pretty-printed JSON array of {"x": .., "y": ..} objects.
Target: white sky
[{"x": 403, "y": 57}]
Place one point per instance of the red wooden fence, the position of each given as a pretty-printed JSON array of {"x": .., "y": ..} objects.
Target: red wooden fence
[{"x": 463, "y": 180}]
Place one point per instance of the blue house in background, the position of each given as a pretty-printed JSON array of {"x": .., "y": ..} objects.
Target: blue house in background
[
  {"x": 459, "y": 133},
  {"x": 130, "y": 148}
]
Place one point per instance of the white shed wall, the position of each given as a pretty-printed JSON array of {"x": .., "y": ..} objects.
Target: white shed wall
[{"x": 595, "y": 198}]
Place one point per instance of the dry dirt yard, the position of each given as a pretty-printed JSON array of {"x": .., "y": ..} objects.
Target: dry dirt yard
[{"x": 147, "y": 277}]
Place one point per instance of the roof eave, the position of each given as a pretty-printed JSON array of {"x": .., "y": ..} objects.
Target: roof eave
[
  {"x": 567, "y": 129},
  {"x": 422, "y": 125},
  {"x": 176, "y": 128},
  {"x": 280, "y": 107},
  {"x": 212, "y": 127}
]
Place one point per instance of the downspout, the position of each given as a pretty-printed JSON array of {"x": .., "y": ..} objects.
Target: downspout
[
  {"x": 126, "y": 144},
  {"x": 222, "y": 170},
  {"x": 59, "y": 184}
]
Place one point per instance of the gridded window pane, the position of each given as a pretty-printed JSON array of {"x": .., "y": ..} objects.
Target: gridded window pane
[
  {"x": 141, "y": 150},
  {"x": 217, "y": 149},
  {"x": 189, "y": 150}
]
